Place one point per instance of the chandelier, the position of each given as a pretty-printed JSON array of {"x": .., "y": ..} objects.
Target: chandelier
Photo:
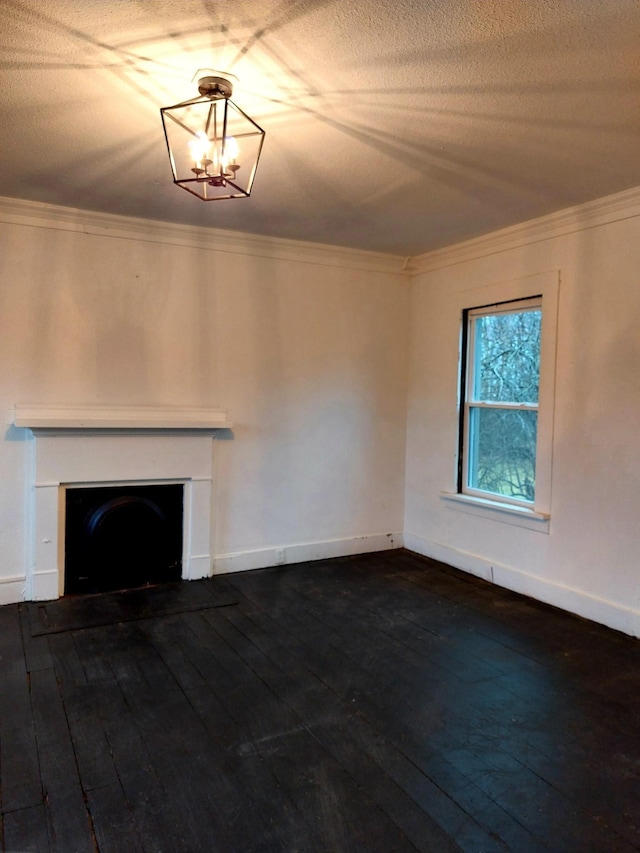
[{"x": 214, "y": 146}]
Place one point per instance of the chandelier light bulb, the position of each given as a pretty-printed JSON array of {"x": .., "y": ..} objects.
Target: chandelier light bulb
[
  {"x": 199, "y": 150},
  {"x": 231, "y": 150},
  {"x": 229, "y": 158}
]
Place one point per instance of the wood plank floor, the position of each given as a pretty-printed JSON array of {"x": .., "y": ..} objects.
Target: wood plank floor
[{"x": 376, "y": 703}]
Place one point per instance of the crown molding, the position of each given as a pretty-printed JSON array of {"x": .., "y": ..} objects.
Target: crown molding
[
  {"x": 613, "y": 208},
  {"x": 39, "y": 215}
]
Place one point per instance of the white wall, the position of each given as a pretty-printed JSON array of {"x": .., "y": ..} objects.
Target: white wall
[
  {"x": 308, "y": 355},
  {"x": 589, "y": 562},
  {"x": 308, "y": 350}
]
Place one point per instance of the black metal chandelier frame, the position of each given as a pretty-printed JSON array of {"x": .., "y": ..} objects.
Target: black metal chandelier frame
[{"x": 223, "y": 142}]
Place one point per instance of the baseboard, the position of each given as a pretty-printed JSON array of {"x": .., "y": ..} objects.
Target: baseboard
[
  {"x": 12, "y": 589},
  {"x": 603, "y": 611},
  {"x": 199, "y": 567},
  {"x": 44, "y": 586},
  {"x": 263, "y": 558}
]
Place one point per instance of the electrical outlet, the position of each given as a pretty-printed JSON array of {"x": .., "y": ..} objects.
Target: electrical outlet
[{"x": 279, "y": 556}]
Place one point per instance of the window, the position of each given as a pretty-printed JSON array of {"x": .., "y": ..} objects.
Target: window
[
  {"x": 506, "y": 400},
  {"x": 500, "y": 412}
]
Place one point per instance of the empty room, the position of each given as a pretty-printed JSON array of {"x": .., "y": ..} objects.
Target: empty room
[{"x": 320, "y": 378}]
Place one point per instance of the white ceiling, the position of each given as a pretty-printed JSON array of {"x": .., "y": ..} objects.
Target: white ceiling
[{"x": 396, "y": 126}]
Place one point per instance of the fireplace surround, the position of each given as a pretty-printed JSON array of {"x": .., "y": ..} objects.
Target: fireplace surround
[{"x": 78, "y": 447}]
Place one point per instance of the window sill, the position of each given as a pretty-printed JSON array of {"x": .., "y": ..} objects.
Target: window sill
[{"x": 518, "y": 516}]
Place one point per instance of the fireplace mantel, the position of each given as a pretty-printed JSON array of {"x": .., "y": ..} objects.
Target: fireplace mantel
[
  {"x": 37, "y": 417},
  {"x": 96, "y": 446}
]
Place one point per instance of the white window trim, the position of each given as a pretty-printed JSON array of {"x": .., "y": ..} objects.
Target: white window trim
[
  {"x": 519, "y": 516},
  {"x": 537, "y": 517},
  {"x": 469, "y": 403}
]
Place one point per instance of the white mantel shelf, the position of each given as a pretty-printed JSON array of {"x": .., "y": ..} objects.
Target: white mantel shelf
[{"x": 37, "y": 416}]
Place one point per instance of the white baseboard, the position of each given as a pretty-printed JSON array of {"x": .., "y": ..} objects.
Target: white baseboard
[
  {"x": 263, "y": 558},
  {"x": 12, "y": 589},
  {"x": 44, "y": 586},
  {"x": 603, "y": 611},
  {"x": 199, "y": 567}
]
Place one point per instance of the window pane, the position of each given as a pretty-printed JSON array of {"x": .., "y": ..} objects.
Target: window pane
[
  {"x": 506, "y": 365},
  {"x": 502, "y": 452}
]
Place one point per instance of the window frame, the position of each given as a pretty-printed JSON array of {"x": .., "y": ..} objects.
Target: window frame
[
  {"x": 546, "y": 286},
  {"x": 469, "y": 401}
]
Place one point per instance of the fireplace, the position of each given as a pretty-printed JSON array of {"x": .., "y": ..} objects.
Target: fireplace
[
  {"x": 128, "y": 450},
  {"x": 122, "y": 537}
]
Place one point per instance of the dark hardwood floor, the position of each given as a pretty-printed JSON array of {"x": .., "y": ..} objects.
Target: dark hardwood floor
[{"x": 376, "y": 703}]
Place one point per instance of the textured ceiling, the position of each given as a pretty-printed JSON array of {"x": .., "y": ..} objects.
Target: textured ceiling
[{"x": 397, "y": 126}]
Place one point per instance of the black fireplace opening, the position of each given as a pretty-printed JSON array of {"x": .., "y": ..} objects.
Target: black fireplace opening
[{"x": 122, "y": 537}]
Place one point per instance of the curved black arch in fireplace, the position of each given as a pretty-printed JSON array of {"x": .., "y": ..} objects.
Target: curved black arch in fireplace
[{"x": 121, "y": 537}]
